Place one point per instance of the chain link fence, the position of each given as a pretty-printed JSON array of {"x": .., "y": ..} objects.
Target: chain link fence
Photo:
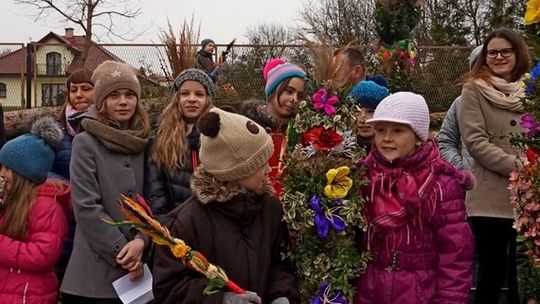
[{"x": 436, "y": 75}]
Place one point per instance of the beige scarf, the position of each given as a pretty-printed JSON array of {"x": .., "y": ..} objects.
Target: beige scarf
[
  {"x": 127, "y": 141},
  {"x": 503, "y": 94}
]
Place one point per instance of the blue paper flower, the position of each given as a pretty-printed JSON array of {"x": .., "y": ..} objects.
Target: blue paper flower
[
  {"x": 326, "y": 296},
  {"x": 535, "y": 74},
  {"x": 324, "y": 219}
]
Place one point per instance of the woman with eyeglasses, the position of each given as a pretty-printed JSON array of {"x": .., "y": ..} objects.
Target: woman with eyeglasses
[{"x": 489, "y": 112}]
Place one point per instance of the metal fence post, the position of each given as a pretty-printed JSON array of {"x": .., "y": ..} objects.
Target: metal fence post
[{"x": 29, "y": 75}]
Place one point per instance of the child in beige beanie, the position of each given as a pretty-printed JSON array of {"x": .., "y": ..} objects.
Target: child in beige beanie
[{"x": 232, "y": 218}]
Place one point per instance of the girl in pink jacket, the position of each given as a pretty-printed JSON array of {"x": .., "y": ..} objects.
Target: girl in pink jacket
[
  {"x": 32, "y": 223},
  {"x": 421, "y": 243}
]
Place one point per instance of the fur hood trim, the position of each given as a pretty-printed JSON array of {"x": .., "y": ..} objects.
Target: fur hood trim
[{"x": 208, "y": 189}]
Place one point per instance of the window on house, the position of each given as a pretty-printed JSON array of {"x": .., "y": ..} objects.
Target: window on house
[
  {"x": 3, "y": 90},
  {"x": 54, "y": 63},
  {"x": 52, "y": 94}
]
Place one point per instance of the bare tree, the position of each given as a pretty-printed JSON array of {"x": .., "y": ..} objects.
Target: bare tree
[
  {"x": 88, "y": 15},
  {"x": 343, "y": 21}
]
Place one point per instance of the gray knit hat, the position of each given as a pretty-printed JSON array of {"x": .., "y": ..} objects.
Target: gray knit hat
[
  {"x": 205, "y": 42},
  {"x": 196, "y": 75},
  {"x": 113, "y": 75},
  {"x": 232, "y": 145}
]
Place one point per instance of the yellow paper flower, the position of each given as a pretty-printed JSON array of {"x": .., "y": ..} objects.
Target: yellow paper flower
[
  {"x": 532, "y": 15},
  {"x": 338, "y": 183},
  {"x": 180, "y": 249}
]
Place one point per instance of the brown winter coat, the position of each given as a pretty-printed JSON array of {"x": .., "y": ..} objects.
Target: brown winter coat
[
  {"x": 485, "y": 129},
  {"x": 239, "y": 231}
]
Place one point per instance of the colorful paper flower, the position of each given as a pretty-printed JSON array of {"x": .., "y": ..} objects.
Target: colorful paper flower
[
  {"x": 326, "y": 295},
  {"x": 322, "y": 139},
  {"x": 532, "y": 155},
  {"x": 323, "y": 102},
  {"x": 530, "y": 124},
  {"x": 532, "y": 15},
  {"x": 338, "y": 183},
  {"x": 324, "y": 219}
]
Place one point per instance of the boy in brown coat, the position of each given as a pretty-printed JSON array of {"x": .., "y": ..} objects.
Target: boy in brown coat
[{"x": 233, "y": 219}]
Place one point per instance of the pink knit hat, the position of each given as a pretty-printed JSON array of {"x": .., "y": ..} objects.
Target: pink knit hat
[
  {"x": 277, "y": 70},
  {"x": 404, "y": 108}
]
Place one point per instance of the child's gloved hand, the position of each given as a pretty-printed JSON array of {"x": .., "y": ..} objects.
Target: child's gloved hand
[
  {"x": 246, "y": 298},
  {"x": 280, "y": 300}
]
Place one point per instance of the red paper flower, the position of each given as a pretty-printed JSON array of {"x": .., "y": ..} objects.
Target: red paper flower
[
  {"x": 532, "y": 155},
  {"x": 322, "y": 139}
]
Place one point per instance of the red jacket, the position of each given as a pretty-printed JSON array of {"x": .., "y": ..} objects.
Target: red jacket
[
  {"x": 26, "y": 267},
  {"x": 276, "y": 160}
]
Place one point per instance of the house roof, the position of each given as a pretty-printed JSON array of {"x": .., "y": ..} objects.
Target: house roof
[{"x": 15, "y": 62}]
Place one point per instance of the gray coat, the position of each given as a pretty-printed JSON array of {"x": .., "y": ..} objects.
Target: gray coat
[
  {"x": 449, "y": 140},
  {"x": 98, "y": 176}
]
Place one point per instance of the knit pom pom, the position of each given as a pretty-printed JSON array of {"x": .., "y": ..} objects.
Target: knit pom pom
[
  {"x": 48, "y": 128},
  {"x": 209, "y": 124},
  {"x": 270, "y": 64}
]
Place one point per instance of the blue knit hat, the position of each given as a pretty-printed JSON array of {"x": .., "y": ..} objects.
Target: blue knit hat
[
  {"x": 32, "y": 155},
  {"x": 378, "y": 79},
  {"x": 277, "y": 70},
  {"x": 368, "y": 94}
]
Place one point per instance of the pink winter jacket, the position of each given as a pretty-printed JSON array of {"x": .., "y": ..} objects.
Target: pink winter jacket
[
  {"x": 427, "y": 260},
  {"x": 26, "y": 267}
]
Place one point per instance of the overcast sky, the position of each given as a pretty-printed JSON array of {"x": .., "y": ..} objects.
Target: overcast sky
[{"x": 221, "y": 20}]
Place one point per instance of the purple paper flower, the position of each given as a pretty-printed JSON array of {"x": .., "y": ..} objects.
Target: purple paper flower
[
  {"x": 530, "y": 124},
  {"x": 324, "y": 219},
  {"x": 326, "y": 296},
  {"x": 323, "y": 102}
]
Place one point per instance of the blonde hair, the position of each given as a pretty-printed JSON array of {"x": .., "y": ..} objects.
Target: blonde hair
[
  {"x": 19, "y": 201},
  {"x": 171, "y": 139}
]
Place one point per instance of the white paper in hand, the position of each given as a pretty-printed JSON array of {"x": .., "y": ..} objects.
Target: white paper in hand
[{"x": 135, "y": 292}]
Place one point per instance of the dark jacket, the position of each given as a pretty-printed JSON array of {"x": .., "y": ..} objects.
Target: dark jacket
[
  {"x": 205, "y": 62},
  {"x": 238, "y": 231},
  {"x": 167, "y": 190},
  {"x": 60, "y": 167}
]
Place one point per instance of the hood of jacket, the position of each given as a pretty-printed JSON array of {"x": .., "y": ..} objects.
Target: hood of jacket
[
  {"x": 59, "y": 191},
  {"x": 208, "y": 189}
]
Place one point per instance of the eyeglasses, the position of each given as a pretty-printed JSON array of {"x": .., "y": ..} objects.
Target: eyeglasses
[{"x": 505, "y": 53}]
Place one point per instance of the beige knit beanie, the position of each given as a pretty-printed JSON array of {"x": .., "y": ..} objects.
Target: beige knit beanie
[
  {"x": 232, "y": 145},
  {"x": 113, "y": 75}
]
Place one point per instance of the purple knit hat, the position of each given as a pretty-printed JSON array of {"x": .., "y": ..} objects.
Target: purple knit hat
[
  {"x": 277, "y": 70},
  {"x": 404, "y": 108}
]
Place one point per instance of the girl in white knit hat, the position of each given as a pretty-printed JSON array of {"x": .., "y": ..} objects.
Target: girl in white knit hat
[{"x": 421, "y": 243}]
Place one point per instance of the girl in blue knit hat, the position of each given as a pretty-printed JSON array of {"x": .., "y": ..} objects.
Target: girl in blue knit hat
[
  {"x": 368, "y": 95},
  {"x": 32, "y": 223}
]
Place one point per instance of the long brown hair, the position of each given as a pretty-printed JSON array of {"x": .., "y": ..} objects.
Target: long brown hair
[
  {"x": 79, "y": 76},
  {"x": 480, "y": 69},
  {"x": 140, "y": 112},
  {"x": 171, "y": 139},
  {"x": 19, "y": 201}
]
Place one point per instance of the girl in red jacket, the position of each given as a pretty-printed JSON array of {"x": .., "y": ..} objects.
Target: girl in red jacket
[{"x": 32, "y": 222}]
